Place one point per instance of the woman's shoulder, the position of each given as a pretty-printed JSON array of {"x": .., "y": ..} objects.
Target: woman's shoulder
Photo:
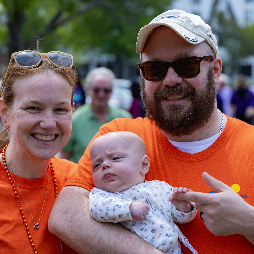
[{"x": 63, "y": 164}]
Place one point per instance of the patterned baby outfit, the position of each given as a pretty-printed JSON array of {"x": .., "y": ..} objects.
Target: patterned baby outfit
[{"x": 158, "y": 227}]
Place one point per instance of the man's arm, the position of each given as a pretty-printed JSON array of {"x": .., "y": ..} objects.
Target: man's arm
[
  {"x": 224, "y": 212},
  {"x": 70, "y": 220}
]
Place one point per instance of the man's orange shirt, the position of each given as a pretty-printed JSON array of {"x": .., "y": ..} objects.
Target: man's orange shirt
[{"x": 230, "y": 159}]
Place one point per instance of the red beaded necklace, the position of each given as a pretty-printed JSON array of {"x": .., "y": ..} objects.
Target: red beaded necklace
[{"x": 17, "y": 197}]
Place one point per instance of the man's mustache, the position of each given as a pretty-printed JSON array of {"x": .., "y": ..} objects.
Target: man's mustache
[{"x": 176, "y": 90}]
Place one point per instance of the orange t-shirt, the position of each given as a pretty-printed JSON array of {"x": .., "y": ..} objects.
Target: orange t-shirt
[
  {"x": 230, "y": 159},
  {"x": 13, "y": 234}
]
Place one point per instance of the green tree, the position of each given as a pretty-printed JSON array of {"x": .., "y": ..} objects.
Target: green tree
[
  {"x": 229, "y": 34},
  {"x": 237, "y": 40},
  {"x": 76, "y": 25},
  {"x": 247, "y": 38}
]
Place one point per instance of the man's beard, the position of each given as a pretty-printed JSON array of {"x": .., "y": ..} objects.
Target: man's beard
[{"x": 176, "y": 119}]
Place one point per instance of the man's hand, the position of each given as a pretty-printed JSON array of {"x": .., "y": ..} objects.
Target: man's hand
[
  {"x": 225, "y": 212},
  {"x": 139, "y": 210}
]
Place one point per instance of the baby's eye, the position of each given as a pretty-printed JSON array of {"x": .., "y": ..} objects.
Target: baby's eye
[
  {"x": 33, "y": 109},
  {"x": 96, "y": 166},
  {"x": 116, "y": 158}
]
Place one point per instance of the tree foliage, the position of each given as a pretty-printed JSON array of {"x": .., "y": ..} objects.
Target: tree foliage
[
  {"x": 229, "y": 34},
  {"x": 76, "y": 26},
  {"x": 247, "y": 33}
]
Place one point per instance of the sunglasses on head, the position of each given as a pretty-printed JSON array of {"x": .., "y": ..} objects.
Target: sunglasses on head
[
  {"x": 32, "y": 59},
  {"x": 188, "y": 67},
  {"x": 105, "y": 90}
]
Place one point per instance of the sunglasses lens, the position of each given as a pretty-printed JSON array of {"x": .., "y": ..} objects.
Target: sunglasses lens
[
  {"x": 187, "y": 68},
  {"x": 27, "y": 59},
  {"x": 60, "y": 59},
  {"x": 154, "y": 71},
  {"x": 105, "y": 90}
]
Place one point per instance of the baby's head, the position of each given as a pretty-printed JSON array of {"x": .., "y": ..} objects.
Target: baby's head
[{"x": 118, "y": 161}]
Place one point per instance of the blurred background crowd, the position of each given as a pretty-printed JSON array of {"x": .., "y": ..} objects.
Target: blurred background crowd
[{"x": 103, "y": 34}]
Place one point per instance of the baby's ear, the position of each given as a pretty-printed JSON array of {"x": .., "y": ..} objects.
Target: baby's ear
[{"x": 145, "y": 164}]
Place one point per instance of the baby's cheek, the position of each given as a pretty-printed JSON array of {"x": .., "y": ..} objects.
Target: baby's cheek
[{"x": 96, "y": 179}]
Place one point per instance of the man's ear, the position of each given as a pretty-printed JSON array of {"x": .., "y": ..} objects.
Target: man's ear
[
  {"x": 4, "y": 113},
  {"x": 217, "y": 68},
  {"x": 145, "y": 165}
]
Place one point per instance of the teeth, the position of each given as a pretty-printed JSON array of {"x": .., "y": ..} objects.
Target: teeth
[
  {"x": 44, "y": 137},
  {"x": 174, "y": 97}
]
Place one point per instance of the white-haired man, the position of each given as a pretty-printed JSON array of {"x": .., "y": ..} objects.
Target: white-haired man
[{"x": 88, "y": 118}]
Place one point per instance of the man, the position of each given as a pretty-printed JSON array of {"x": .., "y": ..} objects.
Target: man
[
  {"x": 225, "y": 92},
  {"x": 88, "y": 118},
  {"x": 185, "y": 135},
  {"x": 242, "y": 100}
]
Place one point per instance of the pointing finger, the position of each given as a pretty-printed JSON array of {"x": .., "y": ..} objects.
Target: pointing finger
[
  {"x": 215, "y": 184},
  {"x": 205, "y": 198},
  {"x": 197, "y": 197}
]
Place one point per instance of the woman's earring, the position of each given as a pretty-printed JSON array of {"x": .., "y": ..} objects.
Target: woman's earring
[{"x": 4, "y": 122}]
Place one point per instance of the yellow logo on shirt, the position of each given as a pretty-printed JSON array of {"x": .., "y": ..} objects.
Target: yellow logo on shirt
[{"x": 236, "y": 187}]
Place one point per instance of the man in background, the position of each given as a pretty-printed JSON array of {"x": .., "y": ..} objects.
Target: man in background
[
  {"x": 88, "y": 118},
  {"x": 225, "y": 92},
  {"x": 242, "y": 101}
]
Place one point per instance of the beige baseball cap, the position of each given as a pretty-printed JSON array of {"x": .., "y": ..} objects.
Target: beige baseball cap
[{"x": 189, "y": 26}]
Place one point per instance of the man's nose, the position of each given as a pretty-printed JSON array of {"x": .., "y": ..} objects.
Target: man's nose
[{"x": 171, "y": 78}]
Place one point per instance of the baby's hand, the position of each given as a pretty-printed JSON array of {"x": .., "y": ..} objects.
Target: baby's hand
[
  {"x": 139, "y": 210},
  {"x": 181, "y": 205}
]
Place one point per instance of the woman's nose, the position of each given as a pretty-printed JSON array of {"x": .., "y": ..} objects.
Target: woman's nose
[{"x": 48, "y": 121}]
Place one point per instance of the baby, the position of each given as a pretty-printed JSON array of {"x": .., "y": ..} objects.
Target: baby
[{"x": 150, "y": 209}]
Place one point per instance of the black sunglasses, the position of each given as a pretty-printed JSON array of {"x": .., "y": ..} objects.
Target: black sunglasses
[
  {"x": 105, "y": 90},
  {"x": 188, "y": 67}
]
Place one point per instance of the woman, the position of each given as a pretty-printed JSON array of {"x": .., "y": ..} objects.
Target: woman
[{"x": 36, "y": 111}]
